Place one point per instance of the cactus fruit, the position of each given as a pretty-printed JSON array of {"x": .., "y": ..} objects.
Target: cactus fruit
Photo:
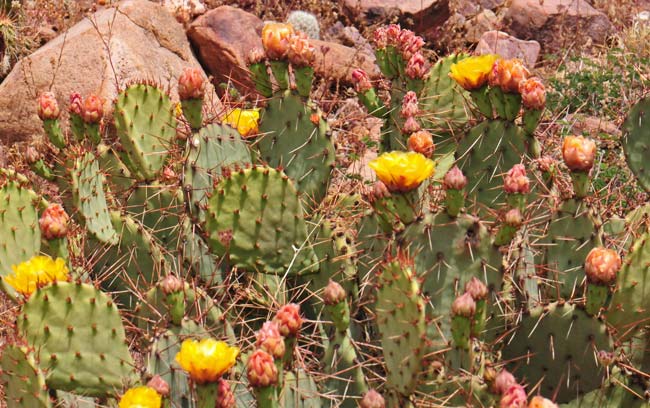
[
  {"x": 146, "y": 126},
  {"x": 23, "y": 381},
  {"x": 636, "y": 141},
  {"x": 296, "y": 137},
  {"x": 555, "y": 346},
  {"x": 88, "y": 353},
  {"x": 256, "y": 218}
]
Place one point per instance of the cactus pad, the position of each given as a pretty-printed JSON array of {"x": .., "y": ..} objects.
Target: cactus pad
[
  {"x": 78, "y": 334},
  {"x": 146, "y": 126},
  {"x": 636, "y": 141},
  {"x": 20, "y": 237},
  {"x": 158, "y": 207},
  {"x": 296, "y": 138},
  {"x": 256, "y": 218},
  {"x": 556, "y": 345},
  {"x": 24, "y": 384}
]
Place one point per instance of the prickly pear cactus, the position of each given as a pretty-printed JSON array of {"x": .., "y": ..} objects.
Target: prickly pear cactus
[
  {"x": 299, "y": 391},
  {"x": 146, "y": 126},
  {"x": 255, "y": 218},
  {"x": 23, "y": 381},
  {"x": 79, "y": 339},
  {"x": 556, "y": 345},
  {"x": 636, "y": 141}
]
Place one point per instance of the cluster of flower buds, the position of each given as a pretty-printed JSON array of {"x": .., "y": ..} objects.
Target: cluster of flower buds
[
  {"x": 417, "y": 66},
  {"x": 301, "y": 52},
  {"x": 507, "y": 74},
  {"x": 409, "y": 111},
  {"x": 91, "y": 110},
  {"x": 405, "y": 41}
]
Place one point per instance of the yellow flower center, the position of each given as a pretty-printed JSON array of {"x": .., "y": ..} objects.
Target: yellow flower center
[
  {"x": 207, "y": 360},
  {"x": 402, "y": 171},
  {"x": 141, "y": 397}
]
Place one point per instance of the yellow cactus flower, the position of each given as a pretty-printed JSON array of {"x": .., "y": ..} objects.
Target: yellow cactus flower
[
  {"x": 473, "y": 72},
  {"x": 141, "y": 397},
  {"x": 35, "y": 273},
  {"x": 206, "y": 360},
  {"x": 402, "y": 171},
  {"x": 244, "y": 120}
]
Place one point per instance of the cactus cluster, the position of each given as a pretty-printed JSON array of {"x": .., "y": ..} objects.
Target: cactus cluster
[{"x": 205, "y": 264}]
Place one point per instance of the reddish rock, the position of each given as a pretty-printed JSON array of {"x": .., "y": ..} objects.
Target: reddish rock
[
  {"x": 553, "y": 21},
  {"x": 224, "y": 36},
  {"x": 425, "y": 17},
  {"x": 507, "y": 46},
  {"x": 134, "y": 40}
]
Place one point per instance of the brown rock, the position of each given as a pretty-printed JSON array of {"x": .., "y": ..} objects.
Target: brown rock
[
  {"x": 136, "y": 39},
  {"x": 507, "y": 46},
  {"x": 593, "y": 126},
  {"x": 552, "y": 22},
  {"x": 485, "y": 21},
  {"x": 425, "y": 17},
  {"x": 224, "y": 36}
]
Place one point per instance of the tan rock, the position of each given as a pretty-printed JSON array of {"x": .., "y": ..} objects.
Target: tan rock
[
  {"x": 507, "y": 46},
  {"x": 483, "y": 22},
  {"x": 223, "y": 38},
  {"x": 552, "y": 21},
  {"x": 136, "y": 39}
]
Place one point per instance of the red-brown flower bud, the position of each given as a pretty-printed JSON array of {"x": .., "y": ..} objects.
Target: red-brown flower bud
[
  {"x": 301, "y": 53},
  {"x": 372, "y": 399},
  {"x": 507, "y": 74},
  {"x": 541, "y": 402},
  {"x": 422, "y": 142},
  {"x": 602, "y": 266},
  {"x": 514, "y": 218},
  {"x": 393, "y": 32},
  {"x": 516, "y": 181},
  {"x": 333, "y": 294},
  {"x": 514, "y": 397},
  {"x": 533, "y": 93},
  {"x": 76, "y": 103},
  {"x": 410, "y": 105},
  {"x": 504, "y": 381},
  {"x": 380, "y": 38},
  {"x": 171, "y": 284},
  {"x": 93, "y": 109},
  {"x": 289, "y": 320},
  {"x": 455, "y": 179},
  {"x": 477, "y": 289},
  {"x": 159, "y": 385},
  {"x": 54, "y": 222},
  {"x": 463, "y": 305},
  {"x": 225, "y": 396},
  {"x": 191, "y": 84},
  {"x": 417, "y": 67},
  {"x": 48, "y": 107},
  {"x": 270, "y": 340},
  {"x": 361, "y": 80},
  {"x": 411, "y": 125},
  {"x": 578, "y": 153},
  {"x": 261, "y": 370}
]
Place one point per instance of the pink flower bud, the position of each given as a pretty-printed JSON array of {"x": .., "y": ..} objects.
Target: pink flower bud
[
  {"x": 168, "y": 174},
  {"x": 477, "y": 289},
  {"x": 605, "y": 358},
  {"x": 261, "y": 370},
  {"x": 372, "y": 399},
  {"x": 416, "y": 68},
  {"x": 256, "y": 55},
  {"x": 333, "y": 294},
  {"x": 533, "y": 93},
  {"x": 514, "y": 397},
  {"x": 503, "y": 381},
  {"x": 393, "y": 32},
  {"x": 516, "y": 181},
  {"x": 54, "y": 222},
  {"x": 602, "y": 266},
  {"x": 380, "y": 38},
  {"x": 270, "y": 340},
  {"x": 48, "y": 107},
  {"x": 32, "y": 155},
  {"x": 507, "y": 74},
  {"x": 301, "y": 53},
  {"x": 410, "y": 105},
  {"x": 361, "y": 81},
  {"x": 171, "y": 284},
  {"x": 546, "y": 164},
  {"x": 191, "y": 84},
  {"x": 463, "y": 305},
  {"x": 76, "y": 103},
  {"x": 411, "y": 125},
  {"x": 289, "y": 320},
  {"x": 455, "y": 179},
  {"x": 159, "y": 385},
  {"x": 93, "y": 109},
  {"x": 541, "y": 402},
  {"x": 578, "y": 153},
  {"x": 225, "y": 396},
  {"x": 409, "y": 44},
  {"x": 514, "y": 218},
  {"x": 379, "y": 190},
  {"x": 421, "y": 142}
]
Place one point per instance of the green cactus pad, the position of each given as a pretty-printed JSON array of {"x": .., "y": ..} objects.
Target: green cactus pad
[
  {"x": 485, "y": 154},
  {"x": 214, "y": 148},
  {"x": 160, "y": 208},
  {"x": 23, "y": 382},
  {"x": 442, "y": 100},
  {"x": 400, "y": 318},
  {"x": 20, "y": 235},
  {"x": 78, "y": 335},
  {"x": 571, "y": 234},
  {"x": 90, "y": 200},
  {"x": 448, "y": 264},
  {"x": 615, "y": 393},
  {"x": 301, "y": 147},
  {"x": 256, "y": 218},
  {"x": 636, "y": 141},
  {"x": 197, "y": 256},
  {"x": 630, "y": 303},
  {"x": 119, "y": 176},
  {"x": 299, "y": 391},
  {"x": 146, "y": 126},
  {"x": 556, "y": 345}
]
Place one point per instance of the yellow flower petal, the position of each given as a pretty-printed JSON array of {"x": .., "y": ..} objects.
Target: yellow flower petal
[
  {"x": 472, "y": 73},
  {"x": 206, "y": 360},
  {"x": 37, "y": 272},
  {"x": 244, "y": 120},
  {"x": 141, "y": 397},
  {"x": 402, "y": 171}
]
